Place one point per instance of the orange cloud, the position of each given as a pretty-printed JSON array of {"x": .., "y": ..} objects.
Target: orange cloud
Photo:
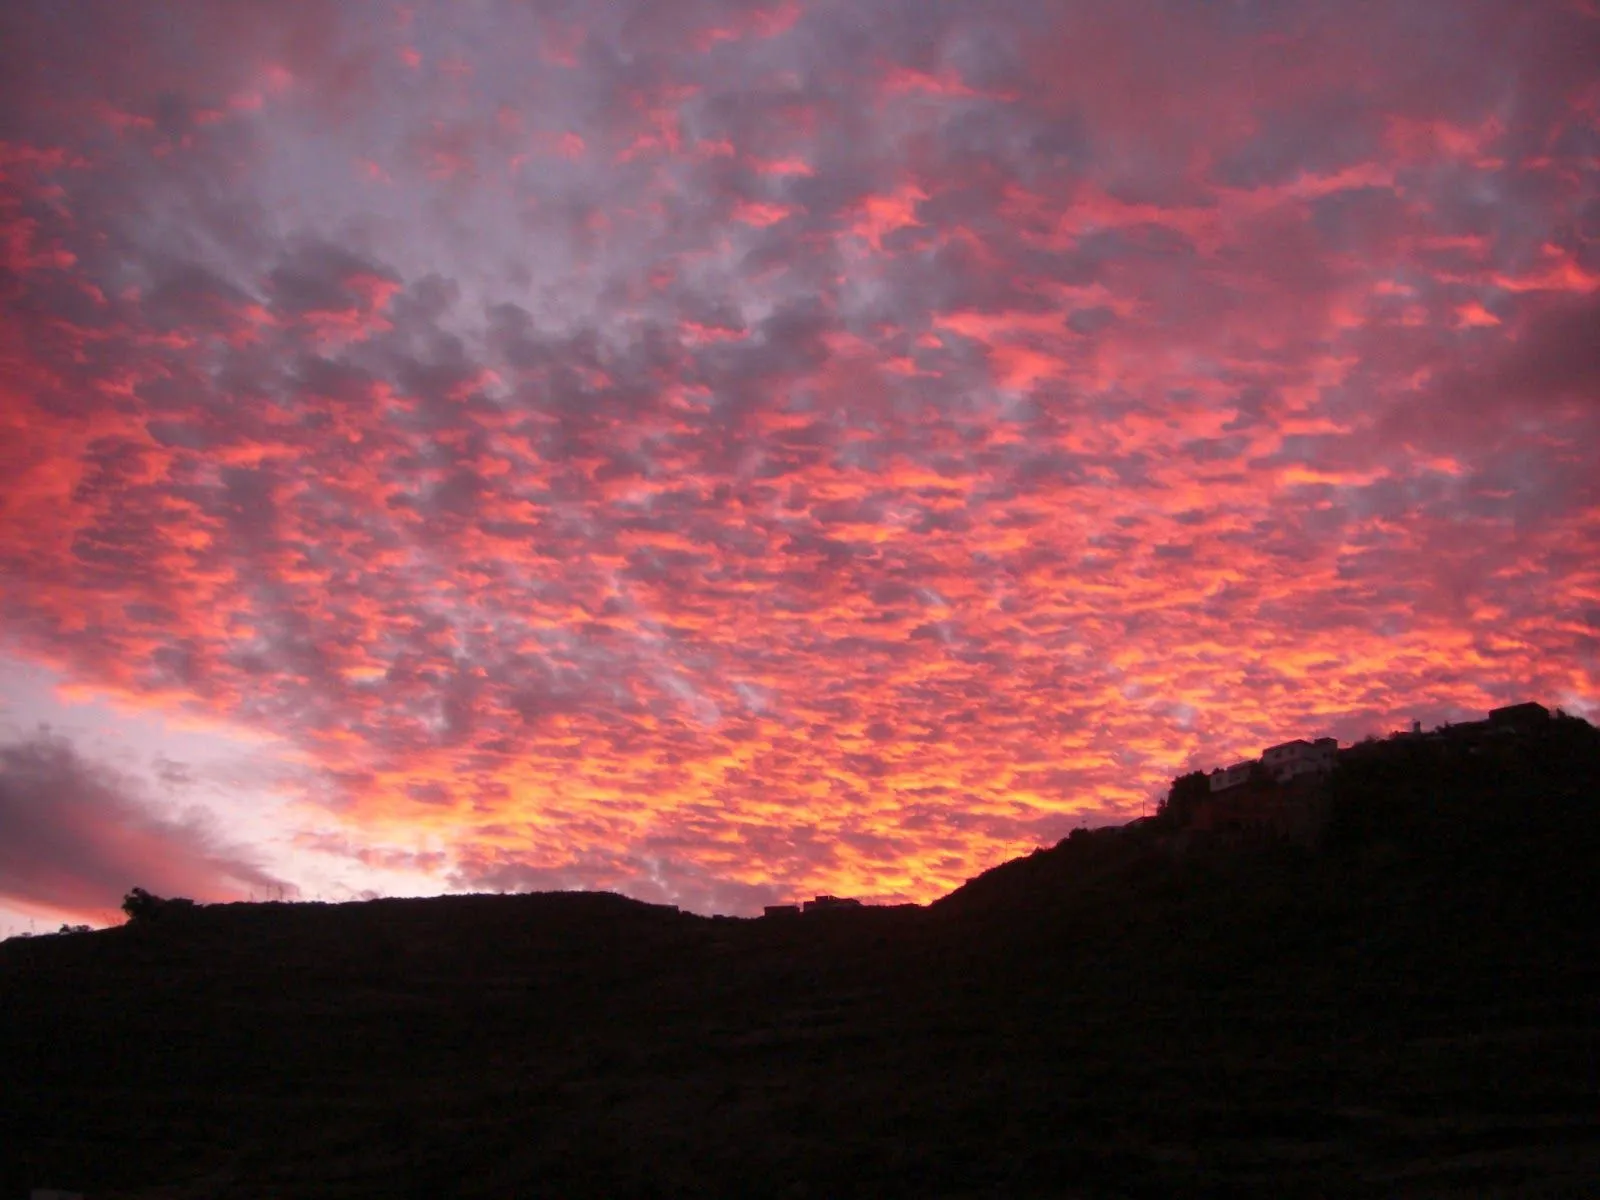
[{"x": 767, "y": 488}]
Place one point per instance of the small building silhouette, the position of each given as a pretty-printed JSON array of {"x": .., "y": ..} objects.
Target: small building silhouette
[
  {"x": 824, "y": 903},
  {"x": 781, "y": 910},
  {"x": 1289, "y": 760},
  {"x": 1224, "y": 778},
  {"x": 1527, "y": 715},
  {"x": 1283, "y": 795},
  {"x": 1508, "y": 721}
]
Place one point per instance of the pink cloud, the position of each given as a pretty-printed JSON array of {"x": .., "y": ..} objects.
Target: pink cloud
[
  {"x": 79, "y": 837},
  {"x": 699, "y": 475}
]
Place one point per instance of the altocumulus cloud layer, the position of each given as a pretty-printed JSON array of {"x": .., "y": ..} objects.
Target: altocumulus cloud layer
[{"x": 714, "y": 450}]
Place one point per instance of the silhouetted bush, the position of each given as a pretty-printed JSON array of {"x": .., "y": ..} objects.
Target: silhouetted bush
[
  {"x": 1188, "y": 792},
  {"x": 141, "y": 905}
]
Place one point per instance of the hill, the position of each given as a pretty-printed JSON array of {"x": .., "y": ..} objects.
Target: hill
[{"x": 1406, "y": 1007}]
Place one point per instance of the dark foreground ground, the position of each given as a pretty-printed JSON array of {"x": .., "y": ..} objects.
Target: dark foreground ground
[{"x": 1408, "y": 1010}]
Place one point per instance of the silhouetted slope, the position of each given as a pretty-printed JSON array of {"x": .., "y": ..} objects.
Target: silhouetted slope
[
  {"x": 1472, "y": 866},
  {"x": 1407, "y": 1010}
]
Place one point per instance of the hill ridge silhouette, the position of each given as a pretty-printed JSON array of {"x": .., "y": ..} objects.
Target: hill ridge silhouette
[{"x": 1403, "y": 1007}]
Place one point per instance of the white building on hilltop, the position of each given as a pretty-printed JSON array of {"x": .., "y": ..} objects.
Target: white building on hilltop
[
  {"x": 1300, "y": 757},
  {"x": 1224, "y": 778}
]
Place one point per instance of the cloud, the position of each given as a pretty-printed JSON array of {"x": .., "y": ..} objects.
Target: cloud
[
  {"x": 653, "y": 878},
  {"x": 78, "y": 836},
  {"x": 801, "y": 446}
]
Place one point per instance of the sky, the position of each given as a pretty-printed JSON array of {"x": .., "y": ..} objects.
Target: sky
[{"x": 725, "y": 452}]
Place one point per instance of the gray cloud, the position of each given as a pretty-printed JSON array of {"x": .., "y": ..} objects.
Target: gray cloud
[{"x": 75, "y": 836}]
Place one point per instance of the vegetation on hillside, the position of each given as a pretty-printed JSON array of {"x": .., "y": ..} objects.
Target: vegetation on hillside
[{"x": 1406, "y": 1008}]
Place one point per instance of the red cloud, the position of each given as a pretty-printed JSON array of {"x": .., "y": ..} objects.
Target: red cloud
[{"x": 761, "y": 486}]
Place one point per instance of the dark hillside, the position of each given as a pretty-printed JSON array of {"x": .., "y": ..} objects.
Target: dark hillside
[
  {"x": 1462, "y": 872},
  {"x": 1406, "y": 1008}
]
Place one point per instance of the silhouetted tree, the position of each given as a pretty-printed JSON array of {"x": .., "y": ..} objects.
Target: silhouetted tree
[
  {"x": 1187, "y": 792},
  {"x": 141, "y": 905}
]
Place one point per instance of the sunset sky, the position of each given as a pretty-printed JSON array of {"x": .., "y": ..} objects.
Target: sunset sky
[{"x": 723, "y": 452}]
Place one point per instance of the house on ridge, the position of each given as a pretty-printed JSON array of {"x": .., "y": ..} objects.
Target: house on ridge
[
  {"x": 1289, "y": 760},
  {"x": 820, "y": 904},
  {"x": 1224, "y": 778},
  {"x": 1529, "y": 715},
  {"x": 825, "y": 903}
]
